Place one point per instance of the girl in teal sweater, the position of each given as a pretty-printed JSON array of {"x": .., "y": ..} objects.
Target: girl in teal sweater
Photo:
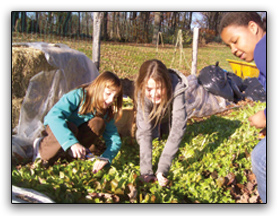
[{"x": 75, "y": 123}]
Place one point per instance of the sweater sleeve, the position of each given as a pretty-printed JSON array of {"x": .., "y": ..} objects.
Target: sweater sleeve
[
  {"x": 57, "y": 116},
  {"x": 260, "y": 60},
  {"x": 178, "y": 128},
  {"x": 112, "y": 140},
  {"x": 144, "y": 138}
]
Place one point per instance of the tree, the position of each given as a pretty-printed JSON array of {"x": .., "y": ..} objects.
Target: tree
[
  {"x": 49, "y": 22},
  {"x": 174, "y": 21},
  {"x": 37, "y": 22},
  {"x": 187, "y": 20},
  {"x": 157, "y": 25},
  {"x": 78, "y": 31},
  {"x": 212, "y": 20},
  {"x": 105, "y": 26},
  {"x": 142, "y": 27},
  {"x": 133, "y": 18},
  {"x": 15, "y": 18},
  {"x": 117, "y": 23},
  {"x": 23, "y": 22},
  {"x": 145, "y": 21}
]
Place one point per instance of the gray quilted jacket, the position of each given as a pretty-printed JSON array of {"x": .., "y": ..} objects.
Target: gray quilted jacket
[{"x": 176, "y": 122}]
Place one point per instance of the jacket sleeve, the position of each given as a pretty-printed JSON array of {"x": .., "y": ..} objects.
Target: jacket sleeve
[
  {"x": 57, "y": 116},
  {"x": 112, "y": 140},
  {"x": 178, "y": 128},
  {"x": 144, "y": 137}
]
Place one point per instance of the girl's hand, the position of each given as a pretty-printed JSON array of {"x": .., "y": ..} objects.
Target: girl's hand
[
  {"x": 258, "y": 120},
  {"x": 77, "y": 151},
  {"x": 148, "y": 178},
  {"x": 98, "y": 165},
  {"x": 162, "y": 180}
]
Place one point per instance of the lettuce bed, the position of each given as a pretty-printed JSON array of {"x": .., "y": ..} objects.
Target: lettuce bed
[{"x": 212, "y": 166}]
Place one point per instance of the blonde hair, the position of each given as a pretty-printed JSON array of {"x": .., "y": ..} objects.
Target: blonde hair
[
  {"x": 156, "y": 70},
  {"x": 93, "y": 98}
]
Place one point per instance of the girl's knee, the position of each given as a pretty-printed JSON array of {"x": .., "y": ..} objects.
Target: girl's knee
[
  {"x": 73, "y": 128},
  {"x": 97, "y": 125},
  {"x": 258, "y": 156}
]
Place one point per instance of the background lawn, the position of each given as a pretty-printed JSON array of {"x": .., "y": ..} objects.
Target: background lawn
[{"x": 213, "y": 162}]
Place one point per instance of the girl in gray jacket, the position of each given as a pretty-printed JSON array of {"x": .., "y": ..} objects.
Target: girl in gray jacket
[{"x": 160, "y": 100}]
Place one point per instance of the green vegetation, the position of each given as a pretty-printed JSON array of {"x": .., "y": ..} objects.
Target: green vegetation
[
  {"x": 211, "y": 150},
  {"x": 125, "y": 59}
]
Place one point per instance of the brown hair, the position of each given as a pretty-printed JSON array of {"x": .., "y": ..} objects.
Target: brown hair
[
  {"x": 93, "y": 96},
  {"x": 156, "y": 70},
  {"x": 241, "y": 19}
]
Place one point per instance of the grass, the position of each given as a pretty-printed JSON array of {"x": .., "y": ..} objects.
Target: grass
[
  {"x": 210, "y": 151},
  {"x": 125, "y": 59}
]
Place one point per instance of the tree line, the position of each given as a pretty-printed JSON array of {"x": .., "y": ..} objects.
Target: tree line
[{"x": 140, "y": 27}]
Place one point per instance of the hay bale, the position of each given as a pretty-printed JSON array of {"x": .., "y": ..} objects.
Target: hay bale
[
  {"x": 26, "y": 62},
  {"x": 41, "y": 74},
  {"x": 16, "y": 105}
]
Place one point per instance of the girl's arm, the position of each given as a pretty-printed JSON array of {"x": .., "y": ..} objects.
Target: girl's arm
[
  {"x": 258, "y": 120},
  {"x": 57, "y": 116},
  {"x": 144, "y": 138},
  {"x": 112, "y": 140},
  {"x": 179, "y": 122}
]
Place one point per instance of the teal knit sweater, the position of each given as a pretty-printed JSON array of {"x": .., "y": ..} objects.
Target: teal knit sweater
[{"x": 66, "y": 109}]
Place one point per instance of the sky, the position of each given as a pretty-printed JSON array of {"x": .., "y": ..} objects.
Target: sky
[{"x": 196, "y": 16}]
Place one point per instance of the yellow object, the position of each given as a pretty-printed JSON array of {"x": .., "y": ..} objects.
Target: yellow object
[
  {"x": 244, "y": 69},
  {"x": 127, "y": 102}
]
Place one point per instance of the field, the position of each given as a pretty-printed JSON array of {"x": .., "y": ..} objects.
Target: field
[
  {"x": 212, "y": 165},
  {"x": 125, "y": 59}
]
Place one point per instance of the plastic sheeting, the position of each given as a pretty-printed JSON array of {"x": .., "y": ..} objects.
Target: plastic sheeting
[
  {"x": 46, "y": 88},
  {"x": 254, "y": 90},
  {"x": 230, "y": 86},
  {"x": 215, "y": 80},
  {"x": 27, "y": 195},
  {"x": 200, "y": 102}
]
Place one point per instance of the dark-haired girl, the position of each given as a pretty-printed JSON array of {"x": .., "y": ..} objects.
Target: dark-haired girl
[{"x": 245, "y": 34}]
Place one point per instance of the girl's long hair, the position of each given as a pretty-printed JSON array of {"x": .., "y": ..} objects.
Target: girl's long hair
[
  {"x": 93, "y": 96},
  {"x": 156, "y": 70}
]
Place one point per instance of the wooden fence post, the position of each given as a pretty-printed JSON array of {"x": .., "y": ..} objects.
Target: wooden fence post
[
  {"x": 97, "y": 38},
  {"x": 195, "y": 51}
]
